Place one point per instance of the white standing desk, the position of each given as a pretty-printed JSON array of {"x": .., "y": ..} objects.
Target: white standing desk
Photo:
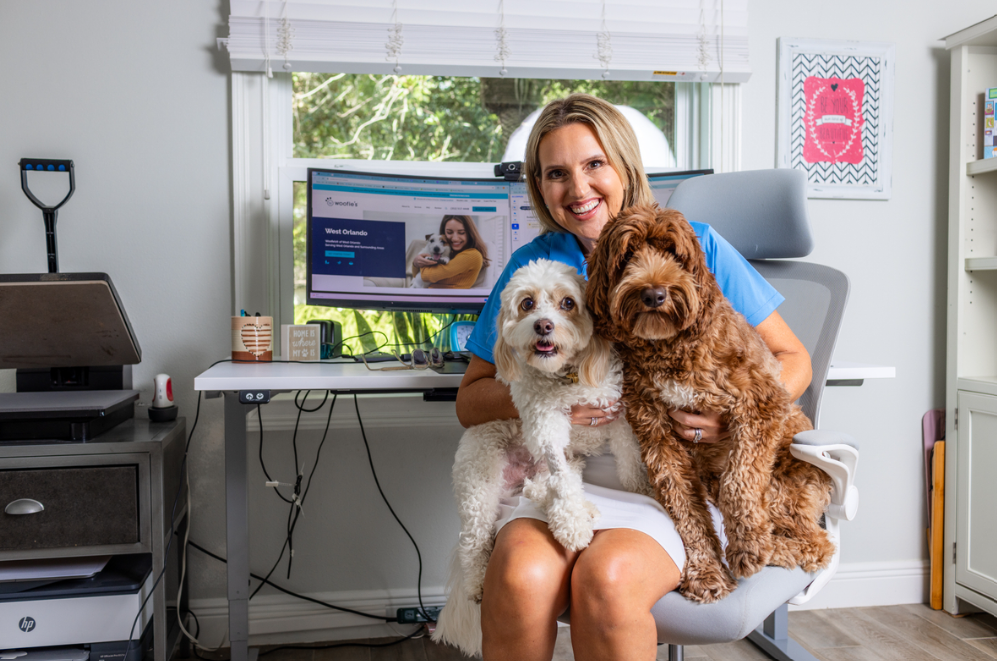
[{"x": 230, "y": 378}]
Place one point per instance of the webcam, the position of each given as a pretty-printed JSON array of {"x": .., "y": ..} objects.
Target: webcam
[{"x": 510, "y": 170}]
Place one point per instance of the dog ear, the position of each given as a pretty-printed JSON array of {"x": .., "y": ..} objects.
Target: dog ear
[
  {"x": 593, "y": 366},
  {"x": 610, "y": 256},
  {"x": 506, "y": 360},
  {"x": 689, "y": 251},
  {"x": 429, "y": 237}
]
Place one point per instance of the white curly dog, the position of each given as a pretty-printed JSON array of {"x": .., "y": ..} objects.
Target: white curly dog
[{"x": 550, "y": 359}]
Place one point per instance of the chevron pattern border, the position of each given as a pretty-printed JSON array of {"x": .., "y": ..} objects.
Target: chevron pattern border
[{"x": 870, "y": 70}]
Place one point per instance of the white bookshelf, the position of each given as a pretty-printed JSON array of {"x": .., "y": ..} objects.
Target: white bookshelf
[{"x": 970, "y": 549}]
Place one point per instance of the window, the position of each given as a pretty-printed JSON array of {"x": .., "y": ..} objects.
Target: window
[{"x": 438, "y": 119}]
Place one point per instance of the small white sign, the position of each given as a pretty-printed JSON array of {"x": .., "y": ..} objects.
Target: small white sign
[{"x": 300, "y": 342}]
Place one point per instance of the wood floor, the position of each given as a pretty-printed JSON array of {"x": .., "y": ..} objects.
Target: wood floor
[{"x": 904, "y": 633}]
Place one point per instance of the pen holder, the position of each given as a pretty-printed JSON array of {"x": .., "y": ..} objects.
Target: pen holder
[{"x": 252, "y": 339}]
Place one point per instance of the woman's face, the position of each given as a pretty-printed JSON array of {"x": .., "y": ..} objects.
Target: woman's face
[
  {"x": 581, "y": 190},
  {"x": 456, "y": 234}
]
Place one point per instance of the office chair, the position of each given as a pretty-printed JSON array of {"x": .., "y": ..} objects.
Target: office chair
[{"x": 763, "y": 214}]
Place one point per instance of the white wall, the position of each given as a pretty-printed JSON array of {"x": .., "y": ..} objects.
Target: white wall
[
  {"x": 894, "y": 254},
  {"x": 137, "y": 95}
]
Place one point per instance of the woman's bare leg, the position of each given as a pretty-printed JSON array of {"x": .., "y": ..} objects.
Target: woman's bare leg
[
  {"x": 614, "y": 583},
  {"x": 526, "y": 588}
]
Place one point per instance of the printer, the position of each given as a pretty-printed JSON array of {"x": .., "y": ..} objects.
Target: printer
[{"x": 69, "y": 339}]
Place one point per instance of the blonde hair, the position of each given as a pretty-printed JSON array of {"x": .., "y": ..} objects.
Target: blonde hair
[{"x": 615, "y": 135}]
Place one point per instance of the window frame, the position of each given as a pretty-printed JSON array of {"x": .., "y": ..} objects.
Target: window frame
[{"x": 264, "y": 171}]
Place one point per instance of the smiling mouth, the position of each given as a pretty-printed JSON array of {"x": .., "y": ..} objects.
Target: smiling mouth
[
  {"x": 545, "y": 348},
  {"x": 583, "y": 209}
]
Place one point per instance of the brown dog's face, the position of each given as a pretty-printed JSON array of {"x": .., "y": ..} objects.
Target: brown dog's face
[{"x": 646, "y": 276}]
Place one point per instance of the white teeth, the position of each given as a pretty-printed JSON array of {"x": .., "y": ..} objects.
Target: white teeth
[{"x": 585, "y": 208}]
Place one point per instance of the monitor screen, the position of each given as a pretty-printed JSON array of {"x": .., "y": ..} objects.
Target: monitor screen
[
  {"x": 416, "y": 243},
  {"x": 663, "y": 184}
]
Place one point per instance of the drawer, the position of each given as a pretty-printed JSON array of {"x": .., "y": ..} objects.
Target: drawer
[{"x": 83, "y": 506}]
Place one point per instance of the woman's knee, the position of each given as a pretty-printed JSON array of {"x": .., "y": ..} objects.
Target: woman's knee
[
  {"x": 622, "y": 572},
  {"x": 528, "y": 569},
  {"x": 605, "y": 578}
]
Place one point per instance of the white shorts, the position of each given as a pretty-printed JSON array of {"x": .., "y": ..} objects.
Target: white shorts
[{"x": 617, "y": 509}]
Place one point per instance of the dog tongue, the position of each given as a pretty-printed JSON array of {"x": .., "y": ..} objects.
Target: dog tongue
[{"x": 544, "y": 347}]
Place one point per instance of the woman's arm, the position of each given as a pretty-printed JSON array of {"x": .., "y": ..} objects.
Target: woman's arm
[
  {"x": 797, "y": 372},
  {"x": 482, "y": 398},
  {"x": 463, "y": 262},
  {"x": 796, "y": 375}
]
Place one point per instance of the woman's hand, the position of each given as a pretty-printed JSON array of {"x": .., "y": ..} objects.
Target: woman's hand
[
  {"x": 582, "y": 414},
  {"x": 710, "y": 427},
  {"x": 421, "y": 262}
]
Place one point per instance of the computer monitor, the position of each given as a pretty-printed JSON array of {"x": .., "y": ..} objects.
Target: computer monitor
[
  {"x": 366, "y": 230},
  {"x": 663, "y": 184}
]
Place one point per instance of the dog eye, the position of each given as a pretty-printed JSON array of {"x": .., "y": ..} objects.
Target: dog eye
[
  {"x": 627, "y": 256},
  {"x": 527, "y": 304},
  {"x": 568, "y": 304}
]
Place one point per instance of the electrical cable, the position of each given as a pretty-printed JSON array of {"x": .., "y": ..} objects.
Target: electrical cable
[
  {"x": 411, "y": 636},
  {"x": 288, "y": 543},
  {"x": 418, "y": 584},
  {"x": 343, "y": 609},
  {"x": 183, "y": 572},
  {"x": 259, "y": 417},
  {"x": 173, "y": 519}
]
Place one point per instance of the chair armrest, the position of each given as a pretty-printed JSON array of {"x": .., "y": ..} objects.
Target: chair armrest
[{"x": 836, "y": 454}]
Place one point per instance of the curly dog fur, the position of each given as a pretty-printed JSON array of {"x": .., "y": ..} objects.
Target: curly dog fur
[
  {"x": 545, "y": 339},
  {"x": 683, "y": 346}
]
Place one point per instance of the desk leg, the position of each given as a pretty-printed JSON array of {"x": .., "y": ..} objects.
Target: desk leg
[{"x": 237, "y": 525}]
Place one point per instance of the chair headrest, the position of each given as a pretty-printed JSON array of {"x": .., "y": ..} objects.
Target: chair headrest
[{"x": 762, "y": 213}]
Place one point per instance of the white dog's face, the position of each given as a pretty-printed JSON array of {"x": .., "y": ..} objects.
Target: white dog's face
[
  {"x": 543, "y": 320},
  {"x": 436, "y": 248}
]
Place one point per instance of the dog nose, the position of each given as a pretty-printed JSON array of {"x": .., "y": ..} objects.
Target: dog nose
[
  {"x": 653, "y": 297},
  {"x": 544, "y": 327}
]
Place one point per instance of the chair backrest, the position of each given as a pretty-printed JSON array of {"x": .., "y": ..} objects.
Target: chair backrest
[{"x": 763, "y": 214}]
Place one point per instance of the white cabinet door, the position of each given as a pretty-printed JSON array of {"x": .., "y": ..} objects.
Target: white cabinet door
[{"x": 976, "y": 557}]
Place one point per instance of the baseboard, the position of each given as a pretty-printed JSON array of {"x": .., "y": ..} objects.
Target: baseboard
[
  {"x": 284, "y": 619},
  {"x": 859, "y": 584},
  {"x": 281, "y": 618}
]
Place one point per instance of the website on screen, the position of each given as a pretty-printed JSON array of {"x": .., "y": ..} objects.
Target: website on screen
[{"x": 385, "y": 238}]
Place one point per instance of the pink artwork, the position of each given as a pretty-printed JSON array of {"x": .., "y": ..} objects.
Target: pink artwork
[{"x": 833, "y": 120}]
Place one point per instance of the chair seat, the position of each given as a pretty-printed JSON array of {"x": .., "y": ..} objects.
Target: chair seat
[{"x": 684, "y": 622}]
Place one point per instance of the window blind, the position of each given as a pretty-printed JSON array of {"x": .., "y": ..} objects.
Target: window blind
[{"x": 684, "y": 40}]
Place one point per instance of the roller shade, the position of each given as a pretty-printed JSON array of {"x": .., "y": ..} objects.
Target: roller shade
[{"x": 683, "y": 40}]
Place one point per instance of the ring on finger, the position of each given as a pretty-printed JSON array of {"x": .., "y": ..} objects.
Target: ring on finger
[
  {"x": 593, "y": 421},
  {"x": 698, "y": 436}
]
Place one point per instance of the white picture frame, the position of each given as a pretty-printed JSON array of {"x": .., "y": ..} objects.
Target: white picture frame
[{"x": 841, "y": 137}]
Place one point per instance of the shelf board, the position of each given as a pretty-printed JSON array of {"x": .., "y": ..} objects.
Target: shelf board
[
  {"x": 981, "y": 263},
  {"x": 982, "y": 166},
  {"x": 981, "y": 384}
]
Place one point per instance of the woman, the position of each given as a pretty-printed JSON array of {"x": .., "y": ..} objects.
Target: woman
[
  {"x": 468, "y": 256},
  {"x": 582, "y": 167}
]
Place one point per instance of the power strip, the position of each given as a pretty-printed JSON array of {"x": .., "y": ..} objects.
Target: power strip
[{"x": 414, "y": 615}]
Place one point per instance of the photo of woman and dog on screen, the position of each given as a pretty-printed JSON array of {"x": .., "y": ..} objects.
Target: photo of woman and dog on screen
[{"x": 445, "y": 251}]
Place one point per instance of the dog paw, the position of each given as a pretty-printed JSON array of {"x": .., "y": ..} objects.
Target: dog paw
[
  {"x": 706, "y": 583},
  {"x": 744, "y": 563},
  {"x": 571, "y": 524}
]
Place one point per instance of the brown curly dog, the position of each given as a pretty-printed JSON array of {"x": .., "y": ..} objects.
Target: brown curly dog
[{"x": 684, "y": 346}]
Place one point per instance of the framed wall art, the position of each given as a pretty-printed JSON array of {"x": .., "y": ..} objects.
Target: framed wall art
[{"x": 836, "y": 116}]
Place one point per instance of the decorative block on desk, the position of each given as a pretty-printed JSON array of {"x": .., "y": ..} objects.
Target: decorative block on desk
[{"x": 300, "y": 342}]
